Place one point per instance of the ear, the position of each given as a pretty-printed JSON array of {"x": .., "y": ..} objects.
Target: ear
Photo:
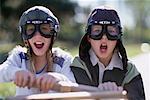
[
  {"x": 26, "y": 43},
  {"x": 88, "y": 38}
]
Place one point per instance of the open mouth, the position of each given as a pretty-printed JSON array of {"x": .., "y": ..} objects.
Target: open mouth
[
  {"x": 39, "y": 45},
  {"x": 103, "y": 47}
]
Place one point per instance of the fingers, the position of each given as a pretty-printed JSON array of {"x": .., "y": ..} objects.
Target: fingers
[
  {"x": 18, "y": 79},
  {"x": 24, "y": 78},
  {"x": 50, "y": 83},
  {"x": 100, "y": 86},
  {"x": 45, "y": 86},
  {"x": 45, "y": 82},
  {"x": 31, "y": 81},
  {"x": 120, "y": 88},
  {"x": 109, "y": 86},
  {"x": 38, "y": 82}
]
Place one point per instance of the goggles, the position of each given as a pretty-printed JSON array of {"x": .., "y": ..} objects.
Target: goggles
[
  {"x": 45, "y": 28},
  {"x": 111, "y": 30}
]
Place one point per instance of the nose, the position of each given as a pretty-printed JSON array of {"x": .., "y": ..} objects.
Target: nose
[
  {"x": 104, "y": 37},
  {"x": 37, "y": 33}
]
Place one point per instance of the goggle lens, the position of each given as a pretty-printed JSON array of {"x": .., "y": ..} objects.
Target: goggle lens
[
  {"x": 45, "y": 29},
  {"x": 96, "y": 30},
  {"x": 111, "y": 31},
  {"x": 30, "y": 28}
]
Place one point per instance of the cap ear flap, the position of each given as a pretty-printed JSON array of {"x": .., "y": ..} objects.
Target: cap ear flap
[
  {"x": 123, "y": 54},
  {"x": 88, "y": 38}
]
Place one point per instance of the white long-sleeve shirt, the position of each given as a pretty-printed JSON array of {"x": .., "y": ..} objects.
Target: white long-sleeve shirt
[{"x": 17, "y": 60}]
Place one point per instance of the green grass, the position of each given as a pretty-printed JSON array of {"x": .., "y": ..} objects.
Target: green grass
[
  {"x": 7, "y": 89},
  {"x": 71, "y": 48},
  {"x": 6, "y": 47},
  {"x": 133, "y": 49}
]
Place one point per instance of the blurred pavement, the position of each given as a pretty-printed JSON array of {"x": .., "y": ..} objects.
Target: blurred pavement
[{"x": 142, "y": 63}]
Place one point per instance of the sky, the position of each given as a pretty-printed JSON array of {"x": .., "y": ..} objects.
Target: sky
[{"x": 123, "y": 11}]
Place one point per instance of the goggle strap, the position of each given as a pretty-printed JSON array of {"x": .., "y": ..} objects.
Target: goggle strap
[{"x": 104, "y": 22}]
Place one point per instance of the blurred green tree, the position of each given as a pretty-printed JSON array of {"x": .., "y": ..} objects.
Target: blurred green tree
[
  {"x": 11, "y": 10},
  {"x": 141, "y": 17}
]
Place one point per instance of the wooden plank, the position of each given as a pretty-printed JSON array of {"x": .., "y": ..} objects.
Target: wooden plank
[
  {"x": 113, "y": 95},
  {"x": 74, "y": 91},
  {"x": 74, "y": 87}
]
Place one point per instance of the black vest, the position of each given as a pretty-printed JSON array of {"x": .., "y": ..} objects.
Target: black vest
[{"x": 116, "y": 75}]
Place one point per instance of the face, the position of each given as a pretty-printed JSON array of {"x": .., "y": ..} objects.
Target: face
[
  {"x": 39, "y": 37},
  {"x": 39, "y": 44},
  {"x": 103, "y": 47}
]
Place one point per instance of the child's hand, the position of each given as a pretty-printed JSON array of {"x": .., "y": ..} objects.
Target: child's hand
[
  {"x": 46, "y": 81},
  {"x": 24, "y": 78},
  {"x": 109, "y": 86}
]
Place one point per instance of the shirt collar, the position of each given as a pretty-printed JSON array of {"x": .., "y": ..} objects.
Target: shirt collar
[{"x": 115, "y": 61}]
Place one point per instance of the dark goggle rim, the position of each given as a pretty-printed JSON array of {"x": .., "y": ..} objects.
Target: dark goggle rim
[
  {"x": 38, "y": 23},
  {"x": 104, "y": 28},
  {"x": 105, "y": 31},
  {"x": 37, "y": 27},
  {"x": 109, "y": 36}
]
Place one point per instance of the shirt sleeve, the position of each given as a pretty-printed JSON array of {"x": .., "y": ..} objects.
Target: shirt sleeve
[
  {"x": 10, "y": 67},
  {"x": 66, "y": 70},
  {"x": 64, "y": 60}
]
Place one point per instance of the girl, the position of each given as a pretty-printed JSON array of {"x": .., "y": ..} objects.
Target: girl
[
  {"x": 102, "y": 60},
  {"x": 28, "y": 66}
]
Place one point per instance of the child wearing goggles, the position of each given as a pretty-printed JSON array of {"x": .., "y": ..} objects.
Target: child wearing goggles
[
  {"x": 102, "y": 60},
  {"x": 36, "y": 67}
]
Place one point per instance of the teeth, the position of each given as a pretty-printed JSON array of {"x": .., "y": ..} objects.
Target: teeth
[
  {"x": 38, "y": 42},
  {"x": 104, "y": 45}
]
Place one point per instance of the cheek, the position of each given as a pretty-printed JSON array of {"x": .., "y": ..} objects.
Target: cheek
[
  {"x": 95, "y": 45},
  {"x": 113, "y": 44},
  {"x": 48, "y": 41},
  {"x": 31, "y": 42}
]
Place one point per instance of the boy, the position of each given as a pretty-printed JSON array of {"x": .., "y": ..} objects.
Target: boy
[{"x": 102, "y": 60}]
